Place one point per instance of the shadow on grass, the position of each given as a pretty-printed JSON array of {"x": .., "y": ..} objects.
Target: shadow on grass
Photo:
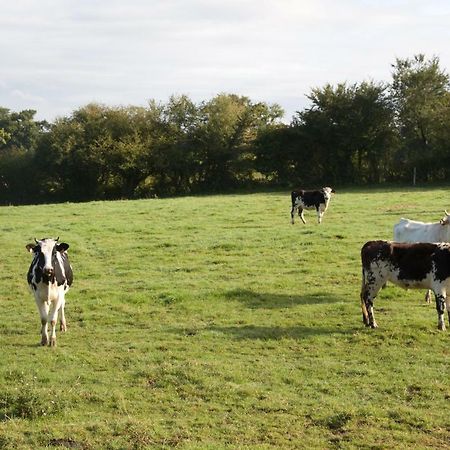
[
  {"x": 256, "y": 300},
  {"x": 252, "y": 332}
]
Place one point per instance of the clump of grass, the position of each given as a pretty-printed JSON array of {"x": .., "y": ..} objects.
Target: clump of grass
[{"x": 27, "y": 402}]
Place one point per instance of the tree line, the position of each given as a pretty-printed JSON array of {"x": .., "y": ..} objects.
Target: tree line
[{"x": 368, "y": 132}]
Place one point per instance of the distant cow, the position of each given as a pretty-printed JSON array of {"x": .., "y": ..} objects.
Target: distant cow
[
  {"x": 317, "y": 200},
  {"x": 414, "y": 231},
  {"x": 49, "y": 277},
  {"x": 409, "y": 265}
]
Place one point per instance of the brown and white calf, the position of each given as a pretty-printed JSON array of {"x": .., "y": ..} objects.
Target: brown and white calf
[
  {"x": 409, "y": 265},
  {"x": 49, "y": 277},
  {"x": 317, "y": 200},
  {"x": 407, "y": 230}
]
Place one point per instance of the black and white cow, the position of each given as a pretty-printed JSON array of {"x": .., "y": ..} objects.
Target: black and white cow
[
  {"x": 317, "y": 200},
  {"x": 409, "y": 265},
  {"x": 49, "y": 277}
]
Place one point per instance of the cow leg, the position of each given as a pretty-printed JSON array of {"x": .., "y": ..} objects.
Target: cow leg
[
  {"x": 447, "y": 304},
  {"x": 440, "y": 308},
  {"x": 367, "y": 310},
  {"x": 43, "y": 308},
  {"x": 365, "y": 314},
  {"x": 300, "y": 213},
  {"x": 293, "y": 211},
  {"x": 368, "y": 293},
  {"x": 319, "y": 214},
  {"x": 62, "y": 322},
  {"x": 428, "y": 296},
  {"x": 53, "y": 318},
  {"x": 44, "y": 332}
]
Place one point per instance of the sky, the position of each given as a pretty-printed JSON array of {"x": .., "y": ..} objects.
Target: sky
[{"x": 59, "y": 55}]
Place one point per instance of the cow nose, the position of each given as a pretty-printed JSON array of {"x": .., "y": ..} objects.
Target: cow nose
[{"x": 48, "y": 271}]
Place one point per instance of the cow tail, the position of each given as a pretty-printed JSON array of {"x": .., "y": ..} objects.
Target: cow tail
[{"x": 362, "y": 295}]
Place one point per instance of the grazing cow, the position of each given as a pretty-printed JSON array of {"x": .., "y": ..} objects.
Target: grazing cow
[
  {"x": 413, "y": 231},
  {"x": 409, "y": 265},
  {"x": 317, "y": 200},
  {"x": 49, "y": 277}
]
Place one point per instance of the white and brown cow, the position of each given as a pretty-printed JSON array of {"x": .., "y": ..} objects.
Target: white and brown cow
[
  {"x": 409, "y": 265},
  {"x": 49, "y": 277},
  {"x": 317, "y": 200}
]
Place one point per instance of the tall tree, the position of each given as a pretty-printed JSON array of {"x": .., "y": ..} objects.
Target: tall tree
[
  {"x": 173, "y": 158},
  {"x": 18, "y": 139},
  {"x": 419, "y": 92},
  {"x": 228, "y": 127},
  {"x": 345, "y": 135}
]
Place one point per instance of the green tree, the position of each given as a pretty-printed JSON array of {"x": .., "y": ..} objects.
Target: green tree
[
  {"x": 4, "y": 136},
  {"x": 228, "y": 128},
  {"x": 420, "y": 96},
  {"x": 346, "y": 135},
  {"x": 97, "y": 152},
  {"x": 19, "y": 134},
  {"x": 173, "y": 158}
]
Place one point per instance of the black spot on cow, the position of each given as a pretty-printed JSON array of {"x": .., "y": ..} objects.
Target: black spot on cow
[
  {"x": 442, "y": 263},
  {"x": 414, "y": 263}
]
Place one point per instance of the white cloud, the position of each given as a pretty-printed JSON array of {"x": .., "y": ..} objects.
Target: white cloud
[
  {"x": 26, "y": 96},
  {"x": 61, "y": 54}
]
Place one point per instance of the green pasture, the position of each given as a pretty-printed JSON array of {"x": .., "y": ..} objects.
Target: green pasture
[{"x": 213, "y": 323}]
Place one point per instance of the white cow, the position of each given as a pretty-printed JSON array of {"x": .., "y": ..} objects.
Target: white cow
[{"x": 414, "y": 231}]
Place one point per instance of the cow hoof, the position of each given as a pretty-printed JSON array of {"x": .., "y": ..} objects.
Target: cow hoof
[
  {"x": 63, "y": 327},
  {"x": 441, "y": 327},
  {"x": 53, "y": 342},
  {"x": 374, "y": 325}
]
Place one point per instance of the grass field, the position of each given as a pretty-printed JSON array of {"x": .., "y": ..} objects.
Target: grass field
[{"x": 213, "y": 323}]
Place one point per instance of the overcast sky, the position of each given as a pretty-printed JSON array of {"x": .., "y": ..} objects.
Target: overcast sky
[{"x": 59, "y": 55}]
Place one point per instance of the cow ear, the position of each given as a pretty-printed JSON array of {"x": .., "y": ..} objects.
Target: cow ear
[
  {"x": 30, "y": 247},
  {"x": 62, "y": 247}
]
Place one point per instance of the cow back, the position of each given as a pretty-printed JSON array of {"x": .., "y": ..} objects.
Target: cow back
[
  {"x": 412, "y": 261},
  {"x": 309, "y": 198}
]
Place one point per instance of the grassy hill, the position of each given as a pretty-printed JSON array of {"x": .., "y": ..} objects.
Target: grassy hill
[{"x": 213, "y": 323}]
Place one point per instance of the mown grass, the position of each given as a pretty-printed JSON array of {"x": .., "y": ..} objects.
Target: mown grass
[{"x": 212, "y": 323}]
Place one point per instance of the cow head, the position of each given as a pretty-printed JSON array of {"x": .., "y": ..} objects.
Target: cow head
[
  {"x": 446, "y": 219},
  {"x": 327, "y": 191},
  {"x": 45, "y": 252}
]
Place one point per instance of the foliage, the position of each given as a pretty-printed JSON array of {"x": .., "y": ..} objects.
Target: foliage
[
  {"x": 19, "y": 133},
  {"x": 420, "y": 91},
  {"x": 221, "y": 327},
  {"x": 349, "y": 130},
  {"x": 366, "y": 132}
]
